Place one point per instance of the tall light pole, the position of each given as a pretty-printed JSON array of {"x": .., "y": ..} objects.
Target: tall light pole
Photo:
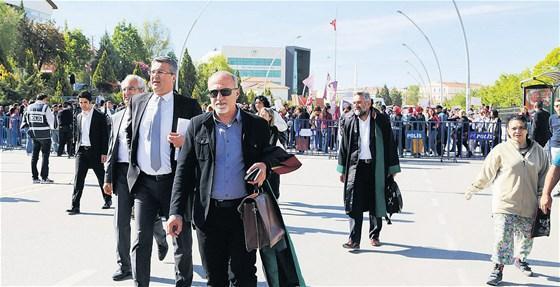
[
  {"x": 185, "y": 43},
  {"x": 419, "y": 76},
  {"x": 425, "y": 70},
  {"x": 468, "y": 87},
  {"x": 433, "y": 51}
]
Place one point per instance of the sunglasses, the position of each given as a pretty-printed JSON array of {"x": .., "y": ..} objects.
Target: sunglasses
[{"x": 224, "y": 92}]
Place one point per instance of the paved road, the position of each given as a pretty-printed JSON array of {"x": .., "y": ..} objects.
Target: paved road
[{"x": 440, "y": 238}]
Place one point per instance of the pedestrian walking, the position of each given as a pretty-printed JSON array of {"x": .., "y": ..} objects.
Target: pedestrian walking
[
  {"x": 116, "y": 168},
  {"x": 541, "y": 128},
  {"x": 367, "y": 156},
  {"x": 65, "y": 130},
  {"x": 152, "y": 132},
  {"x": 38, "y": 119},
  {"x": 91, "y": 144},
  {"x": 516, "y": 170}
]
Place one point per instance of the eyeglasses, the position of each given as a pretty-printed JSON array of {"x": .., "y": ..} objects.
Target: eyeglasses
[
  {"x": 225, "y": 92},
  {"x": 126, "y": 89},
  {"x": 159, "y": 73}
]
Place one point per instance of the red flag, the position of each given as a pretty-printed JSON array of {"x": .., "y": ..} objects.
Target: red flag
[
  {"x": 333, "y": 23},
  {"x": 309, "y": 101}
]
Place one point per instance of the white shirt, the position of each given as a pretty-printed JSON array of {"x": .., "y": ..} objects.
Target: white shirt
[
  {"x": 143, "y": 154},
  {"x": 122, "y": 153},
  {"x": 365, "y": 153},
  {"x": 86, "y": 123}
]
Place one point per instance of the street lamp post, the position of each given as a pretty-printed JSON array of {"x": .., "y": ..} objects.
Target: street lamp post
[
  {"x": 425, "y": 70},
  {"x": 419, "y": 76},
  {"x": 433, "y": 51},
  {"x": 468, "y": 87},
  {"x": 185, "y": 43}
]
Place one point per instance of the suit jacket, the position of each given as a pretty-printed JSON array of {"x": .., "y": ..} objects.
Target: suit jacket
[
  {"x": 183, "y": 107},
  {"x": 116, "y": 120},
  {"x": 98, "y": 134},
  {"x": 541, "y": 127},
  {"x": 194, "y": 177}
]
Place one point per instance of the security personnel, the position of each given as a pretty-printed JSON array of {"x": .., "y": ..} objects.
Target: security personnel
[
  {"x": 40, "y": 120},
  {"x": 65, "y": 127}
]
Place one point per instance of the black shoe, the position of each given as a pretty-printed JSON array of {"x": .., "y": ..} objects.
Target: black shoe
[
  {"x": 36, "y": 181},
  {"x": 496, "y": 276},
  {"x": 73, "y": 211},
  {"x": 107, "y": 205},
  {"x": 120, "y": 275},
  {"x": 162, "y": 251},
  {"x": 47, "y": 181}
]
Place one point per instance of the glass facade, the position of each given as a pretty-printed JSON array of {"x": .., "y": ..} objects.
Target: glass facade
[
  {"x": 253, "y": 62},
  {"x": 260, "y": 73}
]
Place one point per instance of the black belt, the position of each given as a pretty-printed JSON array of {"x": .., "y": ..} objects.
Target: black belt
[
  {"x": 226, "y": 203},
  {"x": 366, "y": 161},
  {"x": 84, "y": 148},
  {"x": 158, "y": 177}
]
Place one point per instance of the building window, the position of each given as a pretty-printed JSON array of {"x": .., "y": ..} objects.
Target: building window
[
  {"x": 253, "y": 61},
  {"x": 259, "y": 73}
]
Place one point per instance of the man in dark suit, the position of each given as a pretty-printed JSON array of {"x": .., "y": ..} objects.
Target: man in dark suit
[
  {"x": 153, "y": 137},
  {"x": 541, "y": 127},
  {"x": 220, "y": 148},
  {"x": 91, "y": 145},
  {"x": 116, "y": 168},
  {"x": 65, "y": 127}
]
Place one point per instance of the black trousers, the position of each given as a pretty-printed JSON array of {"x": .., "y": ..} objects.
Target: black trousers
[
  {"x": 44, "y": 146},
  {"x": 123, "y": 210},
  {"x": 86, "y": 159},
  {"x": 152, "y": 198},
  {"x": 65, "y": 138},
  {"x": 364, "y": 200},
  {"x": 222, "y": 241}
]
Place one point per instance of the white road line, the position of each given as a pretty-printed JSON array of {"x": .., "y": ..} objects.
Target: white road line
[{"x": 75, "y": 278}]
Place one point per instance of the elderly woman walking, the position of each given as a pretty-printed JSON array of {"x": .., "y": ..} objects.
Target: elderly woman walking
[{"x": 517, "y": 170}]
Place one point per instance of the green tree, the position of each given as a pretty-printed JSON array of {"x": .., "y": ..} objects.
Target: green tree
[
  {"x": 242, "y": 97},
  {"x": 204, "y": 71},
  {"x": 57, "y": 96},
  {"x": 172, "y": 55},
  {"x": 105, "y": 45},
  {"x": 60, "y": 80},
  {"x": 412, "y": 95},
  {"x": 104, "y": 77},
  {"x": 459, "y": 100},
  {"x": 187, "y": 75},
  {"x": 129, "y": 46},
  {"x": 155, "y": 37},
  {"x": 396, "y": 97},
  {"x": 550, "y": 63},
  {"x": 505, "y": 92},
  {"x": 79, "y": 54},
  {"x": 251, "y": 96},
  {"x": 385, "y": 95},
  {"x": 9, "y": 21},
  {"x": 43, "y": 39}
]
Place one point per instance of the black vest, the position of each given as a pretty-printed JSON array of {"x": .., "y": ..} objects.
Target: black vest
[{"x": 36, "y": 117}]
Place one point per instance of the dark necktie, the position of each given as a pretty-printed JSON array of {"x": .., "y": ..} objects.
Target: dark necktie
[{"x": 155, "y": 136}]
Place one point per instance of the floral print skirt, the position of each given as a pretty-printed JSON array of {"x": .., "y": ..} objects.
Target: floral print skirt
[{"x": 512, "y": 235}]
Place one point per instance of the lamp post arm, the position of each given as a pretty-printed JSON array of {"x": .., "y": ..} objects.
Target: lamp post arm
[{"x": 468, "y": 87}]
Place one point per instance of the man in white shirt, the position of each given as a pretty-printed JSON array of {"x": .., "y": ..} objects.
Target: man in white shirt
[{"x": 91, "y": 150}]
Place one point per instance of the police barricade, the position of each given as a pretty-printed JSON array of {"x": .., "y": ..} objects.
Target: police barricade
[{"x": 312, "y": 137}]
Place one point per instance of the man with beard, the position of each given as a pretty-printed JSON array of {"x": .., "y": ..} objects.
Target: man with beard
[{"x": 367, "y": 156}]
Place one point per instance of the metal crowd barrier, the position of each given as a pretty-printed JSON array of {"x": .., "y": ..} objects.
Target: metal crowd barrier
[{"x": 448, "y": 140}]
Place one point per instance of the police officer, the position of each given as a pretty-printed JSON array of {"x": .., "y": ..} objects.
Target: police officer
[
  {"x": 40, "y": 120},
  {"x": 65, "y": 128}
]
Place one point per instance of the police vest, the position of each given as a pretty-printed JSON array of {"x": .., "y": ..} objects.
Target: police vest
[{"x": 37, "y": 119}]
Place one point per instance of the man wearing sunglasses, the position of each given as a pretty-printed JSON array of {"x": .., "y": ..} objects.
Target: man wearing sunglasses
[
  {"x": 220, "y": 148},
  {"x": 152, "y": 137}
]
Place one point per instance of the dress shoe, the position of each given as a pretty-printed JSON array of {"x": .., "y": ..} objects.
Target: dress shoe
[
  {"x": 107, "y": 205},
  {"x": 47, "y": 181},
  {"x": 119, "y": 275},
  {"x": 162, "y": 251},
  {"x": 73, "y": 211},
  {"x": 36, "y": 181},
  {"x": 375, "y": 242},
  {"x": 351, "y": 245}
]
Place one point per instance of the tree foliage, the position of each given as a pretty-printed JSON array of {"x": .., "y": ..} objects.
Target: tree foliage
[
  {"x": 396, "y": 97},
  {"x": 78, "y": 52},
  {"x": 385, "y": 95},
  {"x": 104, "y": 77},
  {"x": 412, "y": 95},
  {"x": 105, "y": 45},
  {"x": 187, "y": 75},
  {"x": 9, "y": 20},
  {"x": 129, "y": 46},
  {"x": 251, "y": 96},
  {"x": 204, "y": 71},
  {"x": 505, "y": 92},
  {"x": 43, "y": 39},
  {"x": 242, "y": 96},
  {"x": 156, "y": 38}
]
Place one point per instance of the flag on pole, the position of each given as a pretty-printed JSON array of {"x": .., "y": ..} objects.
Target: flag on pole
[
  {"x": 333, "y": 23},
  {"x": 326, "y": 85},
  {"x": 309, "y": 81}
]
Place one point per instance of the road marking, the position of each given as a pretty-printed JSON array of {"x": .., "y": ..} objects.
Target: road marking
[{"x": 77, "y": 277}]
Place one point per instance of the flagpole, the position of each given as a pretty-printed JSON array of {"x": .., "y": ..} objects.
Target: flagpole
[{"x": 335, "y": 16}]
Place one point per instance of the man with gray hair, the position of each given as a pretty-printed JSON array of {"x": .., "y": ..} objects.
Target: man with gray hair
[
  {"x": 116, "y": 168},
  {"x": 152, "y": 135}
]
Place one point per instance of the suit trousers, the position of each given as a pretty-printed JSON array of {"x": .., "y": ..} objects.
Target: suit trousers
[
  {"x": 364, "y": 200},
  {"x": 44, "y": 146},
  {"x": 152, "y": 196},
  {"x": 86, "y": 159},
  {"x": 123, "y": 210},
  {"x": 65, "y": 138},
  {"x": 222, "y": 241}
]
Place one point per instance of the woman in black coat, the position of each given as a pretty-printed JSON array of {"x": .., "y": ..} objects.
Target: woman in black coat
[{"x": 273, "y": 178}]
